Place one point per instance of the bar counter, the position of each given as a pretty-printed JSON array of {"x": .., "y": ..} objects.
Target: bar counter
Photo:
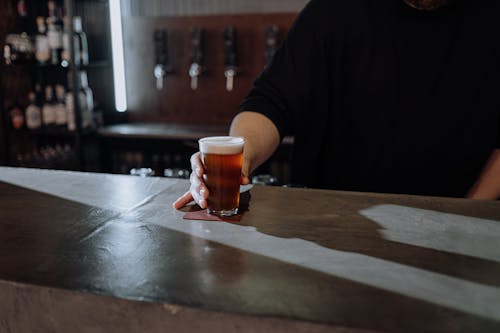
[
  {"x": 82, "y": 252},
  {"x": 167, "y": 131}
]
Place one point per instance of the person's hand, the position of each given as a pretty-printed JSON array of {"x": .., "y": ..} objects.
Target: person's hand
[{"x": 198, "y": 191}]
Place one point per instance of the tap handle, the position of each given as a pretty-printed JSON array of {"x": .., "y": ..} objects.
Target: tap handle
[
  {"x": 230, "y": 57},
  {"x": 197, "y": 45},
  {"x": 161, "y": 47},
  {"x": 270, "y": 43}
]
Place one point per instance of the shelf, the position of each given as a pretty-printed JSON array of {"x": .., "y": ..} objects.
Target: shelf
[
  {"x": 30, "y": 73},
  {"x": 161, "y": 131},
  {"x": 32, "y": 66},
  {"x": 168, "y": 131},
  {"x": 55, "y": 132}
]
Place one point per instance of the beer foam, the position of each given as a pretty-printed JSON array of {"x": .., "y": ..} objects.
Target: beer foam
[{"x": 222, "y": 145}]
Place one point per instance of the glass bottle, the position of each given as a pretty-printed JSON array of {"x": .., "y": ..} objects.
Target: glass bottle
[
  {"x": 16, "y": 116},
  {"x": 70, "y": 104},
  {"x": 86, "y": 100},
  {"x": 61, "y": 114},
  {"x": 80, "y": 40},
  {"x": 33, "y": 113},
  {"x": 49, "y": 110},
  {"x": 54, "y": 34},
  {"x": 42, "y": 49},
  {"x": 66, "y": 52}
]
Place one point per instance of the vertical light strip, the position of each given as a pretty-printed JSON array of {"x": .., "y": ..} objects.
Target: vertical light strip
[{"x": 115, "y": 17}]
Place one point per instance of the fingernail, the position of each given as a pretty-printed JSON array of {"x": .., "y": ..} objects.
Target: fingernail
[
  {"x": 202, "y": 192},
  {"x": 198, "y": 172}
]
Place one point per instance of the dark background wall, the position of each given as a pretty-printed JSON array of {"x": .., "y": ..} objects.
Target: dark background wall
[{"x": 211, "y": 103}]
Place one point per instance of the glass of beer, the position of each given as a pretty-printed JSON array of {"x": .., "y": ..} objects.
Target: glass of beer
[{"x": 222, "y": 157}]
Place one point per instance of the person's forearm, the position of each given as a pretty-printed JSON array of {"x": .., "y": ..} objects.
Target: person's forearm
[
  {"x": 488, "y": 184},
  {"x": 261, "y": 136}
]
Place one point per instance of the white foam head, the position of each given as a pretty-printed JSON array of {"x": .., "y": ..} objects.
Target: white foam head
[{"x": 222, "y": 145}]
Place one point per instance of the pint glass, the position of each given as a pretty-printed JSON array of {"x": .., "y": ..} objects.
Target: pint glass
[{"x": 222, "y": 157}]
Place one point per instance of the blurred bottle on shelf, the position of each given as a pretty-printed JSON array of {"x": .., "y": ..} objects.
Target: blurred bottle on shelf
[
  {"x": 54, "y": 34},
  {"x": 33, "y": 113},
  {"x": 42, "y": 49},
  {"x": 22, "y": 9},
  {"x": 69, "y": 102},
  {"x": 86, "y": 101},
  {"x": 49, "y": 108},
  {"x": 16, "y": 116},
  {"x": 49, "y": 157},
  {"x": 61, "y": 112},
  {"x": 80, "y": 43},
  {"x": 7, "y": 54},
  {"x": 66, "y": 50},
  {"x": 142, "y": 172},
  {"x": 70, "y": 110}
]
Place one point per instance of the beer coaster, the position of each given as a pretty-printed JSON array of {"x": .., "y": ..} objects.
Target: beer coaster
[{"x": 203, "y": 215}]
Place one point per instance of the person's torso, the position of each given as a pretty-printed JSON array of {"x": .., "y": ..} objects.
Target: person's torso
[{"x": 412, "y": 99}]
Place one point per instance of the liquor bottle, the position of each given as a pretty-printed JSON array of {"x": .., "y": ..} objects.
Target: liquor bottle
[
  {"x": 54, "y": 34},
  {"x": 16, "y": 117},
  {"x": 42, "y": 49},
  {"x": 70, "y": 104},
  {"x": 66, "y": 52},
  {"x": 33, "y": 113},
  {"x": 24, "y": 17},
  {"x": 22, "y": 10},
  {"x": 86, "y": 101},
  {"x": 7, "y": 54},
  {"x": 61, "y": 113},
  {"x": 49, "y": 110},
  {"x": 80, "y": 43}
]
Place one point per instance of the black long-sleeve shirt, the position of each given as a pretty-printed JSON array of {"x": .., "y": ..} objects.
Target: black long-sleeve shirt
[{"x": 382, "y": 97}]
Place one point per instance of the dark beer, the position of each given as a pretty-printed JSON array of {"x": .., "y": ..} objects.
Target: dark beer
[{"x": 222, "y": 159}]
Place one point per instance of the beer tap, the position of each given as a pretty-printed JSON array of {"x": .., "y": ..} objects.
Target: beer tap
[
  {"x": 270, "y": 43},
  {"x": 230, "y": 57},
  {"x": 162, "y": 66},
  {"x": 197, "y": 53}
]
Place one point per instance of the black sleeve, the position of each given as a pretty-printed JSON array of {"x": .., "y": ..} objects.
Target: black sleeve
[
  {"x": 283, "y": 89},
  {"x": 497, "y": 146}
]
